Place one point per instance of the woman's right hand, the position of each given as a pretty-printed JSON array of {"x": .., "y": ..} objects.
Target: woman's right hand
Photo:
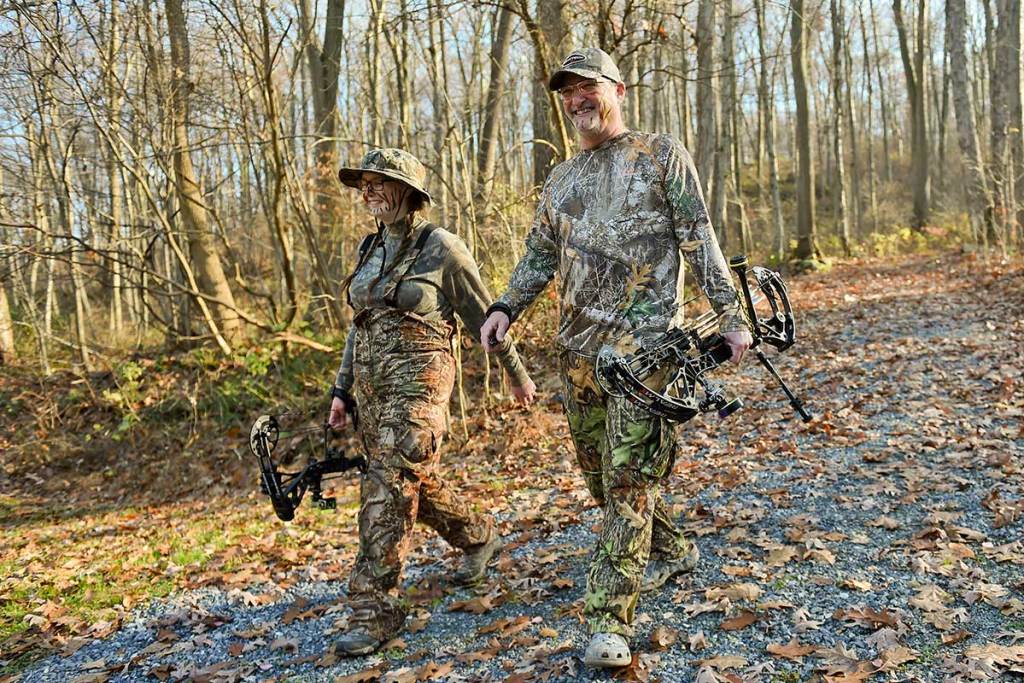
[{"x": 338, "y": 418}]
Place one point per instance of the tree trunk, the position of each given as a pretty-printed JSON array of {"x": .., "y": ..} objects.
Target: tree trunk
[
  {"x": 807, "y": 247},
  {"x": 487, "y": 155},
  {"x": 839, "y": 191},
  {"x": 195, "y": 220},
  {"x": 707, "y": 97},
  {"x": 869, "y": 125},
  {"x": 1010, "y": 63},
  {"x": 551, "y": 142},
  {"x": 765, "y": 95},
  {"x": 721, "y": 218},
  {"x": 856, "y": 204},
  {"x": 323, "y": 62},
  {"x": 882, "y": 100},
  {"x": 979, "y": 199},
  {"x": 913, "y": 69},
  {"x": 7, "y": 350}
]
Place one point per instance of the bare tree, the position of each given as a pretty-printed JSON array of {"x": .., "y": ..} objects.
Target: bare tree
[
  {"x": 838, "y": 133},
  {"x": 913, "y": 70},
  {"x": 194, "y": 213},
  {"x": 980, "y": 202},
  {"x": 807, "y": 246}
]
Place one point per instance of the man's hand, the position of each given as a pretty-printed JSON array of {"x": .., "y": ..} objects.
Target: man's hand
[
  {"x": 338, "y": 418},
  {"x": 492, "y": 333},
  {"x": 525, "y": 394},
  {"x": 738, "y": 341}
]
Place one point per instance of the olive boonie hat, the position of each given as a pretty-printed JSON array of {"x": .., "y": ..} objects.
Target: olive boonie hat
[
  {"x": 589, "y": 62},
  {"x": 396, "y": 164}
]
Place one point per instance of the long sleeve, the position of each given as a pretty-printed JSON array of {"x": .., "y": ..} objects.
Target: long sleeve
[
  {"x": 344, "y": 380},
  {"x": 537, "y": 266},
  {"x": 696, "y": 238},
  {"x": 465, "y": 289}
]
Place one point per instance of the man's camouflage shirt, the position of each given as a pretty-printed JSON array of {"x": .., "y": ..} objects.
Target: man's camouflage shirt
[
  {"x": 613, "y": 222},
  {"x": 443, "y": 281}
]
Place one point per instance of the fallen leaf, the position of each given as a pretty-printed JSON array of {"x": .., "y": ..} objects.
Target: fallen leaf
[
  {"x": 791, "y": 650},
  {"x": 741, "y": 621}
]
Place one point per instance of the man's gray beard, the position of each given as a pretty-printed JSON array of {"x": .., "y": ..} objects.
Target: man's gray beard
[{"x": 589, "y": 119}]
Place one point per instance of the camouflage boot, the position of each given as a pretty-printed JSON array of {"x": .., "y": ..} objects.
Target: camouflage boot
[
  {"x": 375, "y": 620},
  {"x": 659, "y": 571},
  {"x": 355, "y": 642},
  {"x": 473, "y": 566}
]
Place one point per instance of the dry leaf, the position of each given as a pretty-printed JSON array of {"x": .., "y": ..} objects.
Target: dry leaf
[
  {"x": 741, "y": 621},
  {"x": 791, "y": 650}
]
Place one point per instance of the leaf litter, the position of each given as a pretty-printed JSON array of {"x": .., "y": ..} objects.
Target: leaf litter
[{"x": 884, "y": 537}]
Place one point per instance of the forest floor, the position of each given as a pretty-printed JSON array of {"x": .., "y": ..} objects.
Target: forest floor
[{"x": 881, "y": 542}]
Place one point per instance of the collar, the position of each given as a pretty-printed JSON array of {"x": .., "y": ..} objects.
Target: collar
[{"x": 609, "y": 142}]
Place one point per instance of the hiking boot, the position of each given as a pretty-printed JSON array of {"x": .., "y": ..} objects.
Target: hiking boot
[
  {"x": 659, "y": 571},
  {"x": 607, "y": 650},
  {"x": 473, "y": 565},
  {"x": 355, "y": 642}
]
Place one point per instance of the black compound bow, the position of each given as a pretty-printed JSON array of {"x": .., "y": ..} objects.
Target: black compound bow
[
  {"x": 286, "y": 489},
  {"x": 687, "y": 355}
]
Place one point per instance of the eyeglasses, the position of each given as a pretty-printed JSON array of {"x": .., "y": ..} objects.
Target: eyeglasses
[
  {"x": 583, "y": 88},
  {"x": 374, "y": 185}
]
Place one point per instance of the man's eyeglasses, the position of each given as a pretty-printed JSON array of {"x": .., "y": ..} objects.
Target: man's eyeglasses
[
  {"x": 583, "y": 88},
  {"x": 374, "y": 185}
]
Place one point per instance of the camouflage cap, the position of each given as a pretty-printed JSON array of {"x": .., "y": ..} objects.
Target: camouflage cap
[
  {"x": 589, "y": 62},
  {"x": 396, "y": 164}
]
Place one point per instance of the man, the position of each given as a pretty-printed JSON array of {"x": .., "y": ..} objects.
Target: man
[{"x": 615, "y": 222}]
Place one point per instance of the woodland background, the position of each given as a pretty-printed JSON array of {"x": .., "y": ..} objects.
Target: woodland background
[
  {"x": 167, "y": 169},
  {"x": 172, "y": 237}
]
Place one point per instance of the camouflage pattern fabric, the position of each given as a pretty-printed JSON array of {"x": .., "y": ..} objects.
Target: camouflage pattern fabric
[
  {"x": 624, "y": 453},
  {"x": 389, "y": 162},
  {"x": 404, "y": 373},
  {"x": 442, "y": 282},
  {"x": 612, "y": 222}
]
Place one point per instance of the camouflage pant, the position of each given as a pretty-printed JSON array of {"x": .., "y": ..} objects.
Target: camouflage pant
[
  {"x": 403, "y": 404},
  {"x": 624, "y": 452}
]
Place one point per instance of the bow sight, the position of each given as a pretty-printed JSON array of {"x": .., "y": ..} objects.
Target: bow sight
[
  {"x": 687, "y": 355},
  {"x": 286, "y": 489}
]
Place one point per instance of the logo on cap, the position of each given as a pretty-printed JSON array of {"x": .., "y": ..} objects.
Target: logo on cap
[{"x": 573, "y": 58}]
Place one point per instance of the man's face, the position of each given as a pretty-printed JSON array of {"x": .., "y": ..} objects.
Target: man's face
[{"x": 589, "y": 103}]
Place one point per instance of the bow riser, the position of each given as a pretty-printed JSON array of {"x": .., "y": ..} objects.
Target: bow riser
[
  {"x": 688, "y": 355},
  {"x": 287, "y": 489}
]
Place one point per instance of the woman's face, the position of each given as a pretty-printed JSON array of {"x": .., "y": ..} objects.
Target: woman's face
[{"x": 387, "y": 200}]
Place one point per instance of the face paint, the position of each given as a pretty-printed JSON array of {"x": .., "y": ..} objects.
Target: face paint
[{"x": 387, "y": 204}]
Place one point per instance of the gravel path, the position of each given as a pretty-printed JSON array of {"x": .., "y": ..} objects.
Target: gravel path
[{"x": 872, "y": 538}]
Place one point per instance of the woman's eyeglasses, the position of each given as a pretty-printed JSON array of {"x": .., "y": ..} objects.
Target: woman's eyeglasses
[
  {"x": 583, "y": 88},
  {"x": 374, "y": 185}
]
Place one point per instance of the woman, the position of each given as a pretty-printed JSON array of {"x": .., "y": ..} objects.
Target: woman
[{"x": 410, "y": 280}]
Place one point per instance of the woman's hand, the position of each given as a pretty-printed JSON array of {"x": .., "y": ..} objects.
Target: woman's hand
[
  {"x": 338, "y": 418},
  {"x": 525, "y": 394}
]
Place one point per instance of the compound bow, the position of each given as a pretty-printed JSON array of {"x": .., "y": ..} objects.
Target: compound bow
[
  {"x": 286, "y": 489},
  {"x": 687, "y": 355}
]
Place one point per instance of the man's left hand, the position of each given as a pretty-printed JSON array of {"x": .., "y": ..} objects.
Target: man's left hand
[{"x": 738, "y": 341}]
